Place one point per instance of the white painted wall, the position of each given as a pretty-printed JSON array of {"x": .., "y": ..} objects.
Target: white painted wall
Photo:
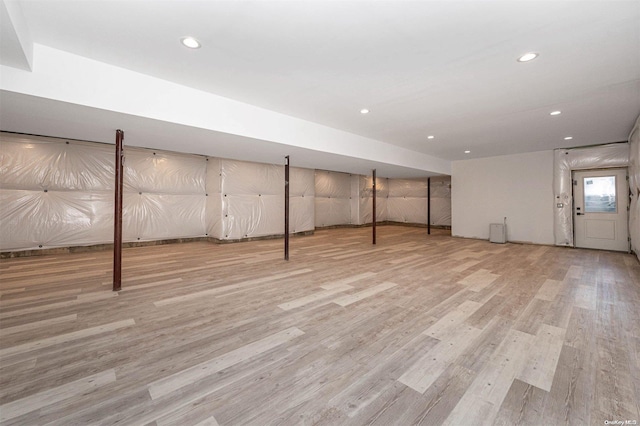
[
  {"x": 519, "y": 187},
  {"x": 634, "y": 187}
]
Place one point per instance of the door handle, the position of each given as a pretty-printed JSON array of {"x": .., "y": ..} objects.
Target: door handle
[{"x": 580, "y": 214}]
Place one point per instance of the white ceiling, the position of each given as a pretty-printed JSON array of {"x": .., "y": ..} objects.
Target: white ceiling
[{"x": 443, "y": 68}]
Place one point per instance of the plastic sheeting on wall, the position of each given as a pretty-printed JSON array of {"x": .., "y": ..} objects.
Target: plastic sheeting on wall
[
  {"x": 162, "y": 172},
  {"x": 398, "y": 200},
  {"x": 39, "y": 163},
  {"x": 213, "y": 209},
  {"x": 247, "y": 216},
  {"x": 407, "y": 201},
  {"x": 634, "y": 188},
  {"x": 566, "y": 160},
  {"x": 164, "y": 195},
  {"x": 366, "y": 199},
  {"x": 59, "y": 193},
  {"x": 407, "y": 209},
  {"x": 253, "y": 199},
  {"x": 38, "y": 219},
  {"x": 54, "y": 192},
  {"x": 441, "y": 201},
  {"x": 332, "y": 198},
  {"x": 157, "y": 216},
  {"x": 301, "y": 199}
]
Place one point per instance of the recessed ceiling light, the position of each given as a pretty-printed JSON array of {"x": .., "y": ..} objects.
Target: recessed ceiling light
[
  {"x": 430, "y": 137},
  {"x": 568, "y": 138},
  {"x": 364, "y": 111},
  {"x": 467, "y": 151},
  {"x": 190, "y": 42},
  {"x": 555, "y": 113},
  {"x": 527, "y": 57}
]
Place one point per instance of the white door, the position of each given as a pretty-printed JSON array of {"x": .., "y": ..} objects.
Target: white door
[{"x": 600, "y": 200}]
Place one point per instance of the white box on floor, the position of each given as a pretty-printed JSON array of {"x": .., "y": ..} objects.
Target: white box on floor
[{"x": 498, "y": 233}]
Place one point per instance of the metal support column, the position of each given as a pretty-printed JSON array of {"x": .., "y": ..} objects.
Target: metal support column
[
  {"x": 117, "y": 226},
  {"x": 374, "y": 206},
  {"x": 429, "y": 206},
  {"x": 286, "y": 208}
]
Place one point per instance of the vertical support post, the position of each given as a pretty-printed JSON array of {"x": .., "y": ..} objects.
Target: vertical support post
[
  {"x": 286, "y": 208},
  {"x": 117, "y": 225},
  {"x": 374, "y": 206},
  {"x": 429, "y": 206}
]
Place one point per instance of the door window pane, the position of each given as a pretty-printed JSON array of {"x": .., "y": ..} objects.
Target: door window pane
[{"x": 600, "y": 194}]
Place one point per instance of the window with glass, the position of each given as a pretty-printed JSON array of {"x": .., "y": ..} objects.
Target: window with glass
[{"x": 600, "y": 194}]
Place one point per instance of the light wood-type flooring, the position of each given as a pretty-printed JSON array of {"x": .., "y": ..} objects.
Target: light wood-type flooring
[{"x": 415, "y": 330}]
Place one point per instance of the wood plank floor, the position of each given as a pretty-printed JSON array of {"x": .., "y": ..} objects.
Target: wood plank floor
[{"x": 415, "y": 330}]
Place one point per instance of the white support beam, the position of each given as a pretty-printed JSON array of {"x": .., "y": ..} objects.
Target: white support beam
[{"x": 73, "y": 79}]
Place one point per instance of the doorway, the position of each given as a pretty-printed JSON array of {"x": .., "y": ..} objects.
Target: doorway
[{"x": 600, "y": 213}]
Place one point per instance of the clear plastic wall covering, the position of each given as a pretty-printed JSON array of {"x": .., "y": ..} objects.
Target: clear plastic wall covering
[
  {"x": 567, "y": 160},
  {"x": 398, "y": 200},
  {"x": 40, "y": 220},
  {"x": 253, "y": 199},
  {"x": 441, "y": 201},
  {"x": 164, "y": 195},
  {"x": 301, "y": 200},
  {"x": 355, "y": 200},
  {"x": 214, "y": 198},
  {"x": 60, "y": 193},
  {"x": 407, "y": 201},
  {"x": 366, "y": 202},
  {"x": 332, "y": 198},
  {"x": 54, "y": 193},
  {"x": 634, "y": 188}
]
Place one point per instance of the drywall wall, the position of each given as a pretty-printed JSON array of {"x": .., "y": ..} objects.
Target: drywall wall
[
  {"x": 634, "y": 188},
  {"x": 519, "y": 187}
]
